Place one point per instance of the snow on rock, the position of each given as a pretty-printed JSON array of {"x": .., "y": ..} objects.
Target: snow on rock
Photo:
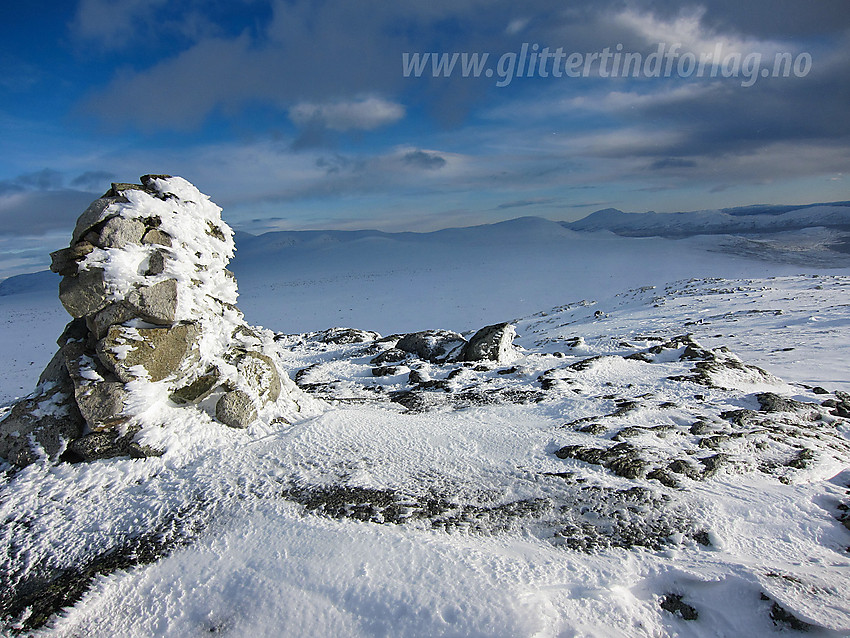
[
  {"x": 493, "y": 343},
  {"x": 155, "y": 326}
]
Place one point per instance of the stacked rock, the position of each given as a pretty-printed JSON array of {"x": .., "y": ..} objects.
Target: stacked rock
[{"x": 153, "y": 309}]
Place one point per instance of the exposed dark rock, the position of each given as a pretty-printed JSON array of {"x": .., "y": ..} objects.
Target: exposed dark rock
[
  {"x": 385, "y": 371},
  {"x": 107, "y": 445},
  {"x": 493, "y": 343},
  {"x": 436, "y": 346},
  {"x": 783, "y": 618},
  {"x": 770, "y": 402},
  {"x": 622, "y": 459},
  {"x": 663, "y": 477},
  {"x": 393, "y": 355},
  {"x": 673, "y": 603},
  {"x": 681, "y": 466},
  {"x": 347, "y": 335},
  {"x": 714, "y": 463},
  {"x": 197, "y": 390}
]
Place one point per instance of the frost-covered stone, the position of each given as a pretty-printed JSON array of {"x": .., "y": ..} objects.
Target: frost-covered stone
[
  {"x": 160, "y": 352},
  {"x": 236, "y": 409},
  {"x": 493, "y": 343},
  {"x": 41, "y": 424},
  {"x": 261, "y": 374},
  {"x": 145, "y": 278}
]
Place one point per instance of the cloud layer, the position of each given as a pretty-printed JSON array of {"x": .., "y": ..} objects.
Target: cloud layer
[{"x": 296, "y": 114}]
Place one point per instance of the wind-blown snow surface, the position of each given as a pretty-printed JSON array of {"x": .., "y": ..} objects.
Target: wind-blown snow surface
[{"x": 732, "y": 545}]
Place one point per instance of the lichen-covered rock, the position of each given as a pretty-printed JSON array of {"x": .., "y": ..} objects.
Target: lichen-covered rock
[
  {"x": 117, "y": 232},
  {"x": 236, "y": 409},
  {"x": 84, "y": 293},
  {"x": 493, "y": 343},
  {"x": 157, "y": 303},
  {"x": 101, "y": 403},
  {"x": 160, "y": 352}
]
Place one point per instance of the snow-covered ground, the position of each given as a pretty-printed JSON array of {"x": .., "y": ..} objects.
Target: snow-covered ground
[{"x": 473, "y": 506}]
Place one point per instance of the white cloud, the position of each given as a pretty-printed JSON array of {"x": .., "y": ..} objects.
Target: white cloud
[
  {"x": 363, "y": 115},
  {"x": 517, "y": 25},
  {"x": 687, "y": 30}
]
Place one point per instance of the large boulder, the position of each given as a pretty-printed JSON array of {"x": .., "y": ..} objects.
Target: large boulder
[{"x": 491, "y": 343}]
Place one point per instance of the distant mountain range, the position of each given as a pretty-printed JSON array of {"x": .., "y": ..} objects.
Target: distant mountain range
[
  {"x": 744, "y": 220},
  {"x": 740, "y": 220}
]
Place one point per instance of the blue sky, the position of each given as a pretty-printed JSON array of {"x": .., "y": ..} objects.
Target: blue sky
[{"x": 296, "y": 115}]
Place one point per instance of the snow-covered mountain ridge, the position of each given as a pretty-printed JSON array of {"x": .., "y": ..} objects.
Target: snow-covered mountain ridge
[{"x": 745, "y": 220}]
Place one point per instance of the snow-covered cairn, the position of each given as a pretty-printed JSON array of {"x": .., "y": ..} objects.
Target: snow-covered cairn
[{"x": 155, "y": 330}]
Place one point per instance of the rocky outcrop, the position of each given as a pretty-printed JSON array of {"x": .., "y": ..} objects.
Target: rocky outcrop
[
  {"x": 436, "y": 346},
  {"x": 491, "y": 343},
  {"x": 154, "y": 315}
]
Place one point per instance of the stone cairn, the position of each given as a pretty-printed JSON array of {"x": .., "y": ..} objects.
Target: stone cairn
[{"x": 155, "y": 329}]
